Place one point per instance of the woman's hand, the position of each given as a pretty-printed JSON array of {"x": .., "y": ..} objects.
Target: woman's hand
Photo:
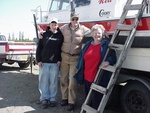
[{"x": 105, "y": 64}]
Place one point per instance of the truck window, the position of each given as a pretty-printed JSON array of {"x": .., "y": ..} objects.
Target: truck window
[
  {"x": 2, "y": 38},
  {"x": 79, "y": 3},
  {"x": 58, "y": 5}
]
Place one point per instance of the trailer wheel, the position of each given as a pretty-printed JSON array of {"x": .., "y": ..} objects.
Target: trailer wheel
[
  {"x": 23, "y": 65},
  {"x": 135, "y": 98}
]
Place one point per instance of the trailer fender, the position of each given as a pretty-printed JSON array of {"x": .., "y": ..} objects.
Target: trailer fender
[
  {"x": 135, "y": 97},
  {"x": 123, "y": 78}
]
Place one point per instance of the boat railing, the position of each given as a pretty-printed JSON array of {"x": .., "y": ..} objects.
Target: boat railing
[{"x": 41, "y": 16}]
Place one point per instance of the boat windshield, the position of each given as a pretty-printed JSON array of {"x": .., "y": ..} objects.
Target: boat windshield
[
  {"x": 58, "y": 5},
  {"x": 79, "y": 3},
  {"x": 64, "y": 4}
]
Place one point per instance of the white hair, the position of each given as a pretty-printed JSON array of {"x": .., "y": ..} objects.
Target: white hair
[{"x": 97, "y": 27}]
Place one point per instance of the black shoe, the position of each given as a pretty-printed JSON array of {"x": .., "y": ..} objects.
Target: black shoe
[
  {"x": 64, "y": 102},
  {"x": 38, "y": 102},
  {"x": 70, "y": 107},
  {"x": 44, "y": 104},
  {"x": 52, "y": 104}
]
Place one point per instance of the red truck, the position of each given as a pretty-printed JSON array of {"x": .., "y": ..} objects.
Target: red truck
[{"x": 19, "y": 52}]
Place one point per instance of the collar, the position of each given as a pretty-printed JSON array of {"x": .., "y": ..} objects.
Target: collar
[
  {"x": 74, "y": 28},
  {"x": 92, "y": 42},
  {"x": 103, "y": 41}
]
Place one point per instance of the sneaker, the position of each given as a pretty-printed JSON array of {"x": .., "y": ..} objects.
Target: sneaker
[
  {"x": 70, "y": 107},
  {"x": 53, "y": 104},
  {"x": 44, "y": 104}
]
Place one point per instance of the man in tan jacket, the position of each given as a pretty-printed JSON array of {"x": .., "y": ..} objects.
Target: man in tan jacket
[{"x": 73, "y": 34}]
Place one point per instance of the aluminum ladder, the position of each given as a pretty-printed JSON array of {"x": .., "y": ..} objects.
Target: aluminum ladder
[{"x": 122, "y": 49}]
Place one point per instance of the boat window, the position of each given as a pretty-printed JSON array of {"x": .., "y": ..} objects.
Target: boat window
[
  {"x": 59, "y": 5},
  {"x": 147, "y": 9},
  {"x": 79, "y": 3}
]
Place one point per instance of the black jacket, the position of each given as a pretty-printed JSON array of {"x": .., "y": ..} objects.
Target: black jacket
[{"x": 49, "y": 47}]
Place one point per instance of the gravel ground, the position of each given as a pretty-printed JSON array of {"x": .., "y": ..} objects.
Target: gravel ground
[{"x": 19, "y": 92}]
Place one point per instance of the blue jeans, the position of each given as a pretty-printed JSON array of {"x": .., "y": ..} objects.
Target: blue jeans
[{"x": 48, "y": 81}]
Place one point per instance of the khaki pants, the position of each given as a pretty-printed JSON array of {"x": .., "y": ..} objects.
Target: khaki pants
[{"x": 67, "y": 81}]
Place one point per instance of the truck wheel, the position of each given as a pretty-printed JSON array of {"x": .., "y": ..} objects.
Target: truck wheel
[
  {"x": 24, "y": 65},
  {"x": 135, "y": 98}
]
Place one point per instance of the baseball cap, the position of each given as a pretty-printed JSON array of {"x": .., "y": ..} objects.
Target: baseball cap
[
  {"x": 74, "y": 15},
  {"x": 53, "y": 20}
]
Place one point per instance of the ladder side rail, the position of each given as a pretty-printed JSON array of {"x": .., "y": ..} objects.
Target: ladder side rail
[
  {"x": 129, "y": 2},
  {"x": 115, "y": 34},
  {"x": 128, "y": 44}
]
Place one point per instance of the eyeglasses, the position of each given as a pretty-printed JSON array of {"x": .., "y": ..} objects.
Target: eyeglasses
[{"x": 75, "y": 19}]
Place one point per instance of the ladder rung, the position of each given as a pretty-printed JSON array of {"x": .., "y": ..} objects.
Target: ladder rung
[
  {"x": 98, "y": 88},
  {"x": 109, "y": 68},
  {"x": 133, "y": 7},
  {"x": 89, "y": 109},
  {"x": 124, "y": 27},
  {"x": 116, "y": 46}
]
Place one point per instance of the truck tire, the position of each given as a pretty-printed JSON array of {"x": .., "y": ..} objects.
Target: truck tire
[
  {"x": 135, "y": 98},
  {"x": 1, "y": 64},
  {"x": 23, "y": 65}
]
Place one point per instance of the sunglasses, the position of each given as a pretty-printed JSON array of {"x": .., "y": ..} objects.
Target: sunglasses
[{"x": 75, "y": 19}]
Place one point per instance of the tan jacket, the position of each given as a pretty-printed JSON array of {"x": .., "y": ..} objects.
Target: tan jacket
[{"x": 73, "y": 38}]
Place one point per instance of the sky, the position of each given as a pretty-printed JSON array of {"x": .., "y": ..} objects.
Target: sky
[{"x": 16, "y": 15}]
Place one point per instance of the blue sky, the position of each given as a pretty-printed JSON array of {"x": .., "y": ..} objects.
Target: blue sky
[{"x": 16, "y": 15}]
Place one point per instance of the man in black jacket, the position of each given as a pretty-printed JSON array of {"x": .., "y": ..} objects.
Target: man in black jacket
[{"x": 48, "y": 56}]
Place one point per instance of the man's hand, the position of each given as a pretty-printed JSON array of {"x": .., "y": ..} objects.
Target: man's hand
[
  {"x": 58, "y": 63},
  {"x": 40, "y": 34},
  {"x": 40, "y": 64},
  {"x": 40, "y": 30}
]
